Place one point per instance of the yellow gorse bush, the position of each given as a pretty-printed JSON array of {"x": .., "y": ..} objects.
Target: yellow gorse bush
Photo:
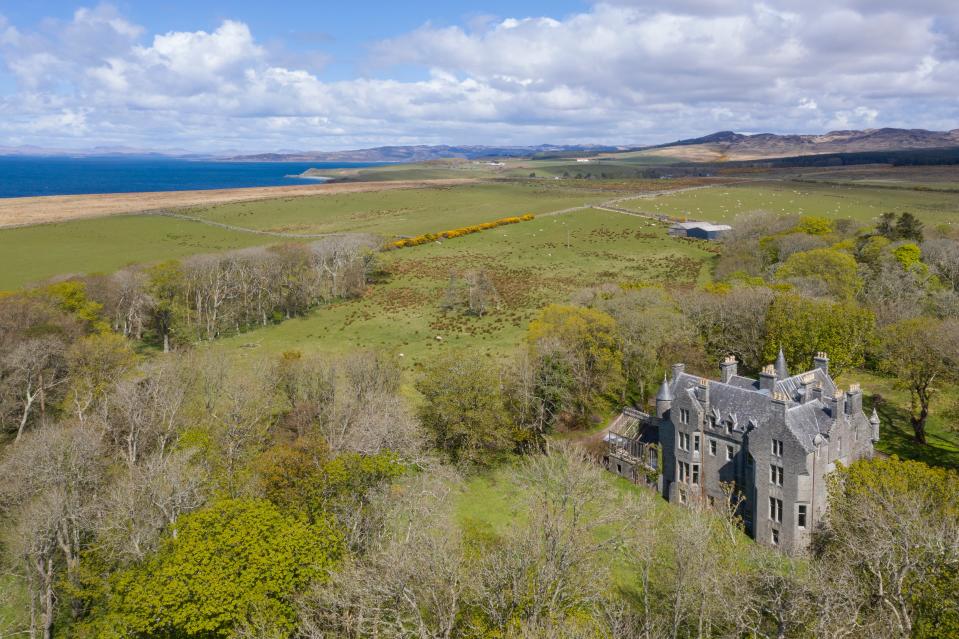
[{"x": 466, "y": 230}]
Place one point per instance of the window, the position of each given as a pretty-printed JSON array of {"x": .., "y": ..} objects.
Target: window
[
  {"x": 695, "y": 474},
  {"x": 729, "y": 426},
  {"x": 801, "y": 515},
  {"x": 777, "y": 448},
  {"x": 684, "y": 415},
  {"x": 684, "y": 441},
  {"x": 730, "y": 453},
  {"x": 683, "y": 472},
  {"x": 696, "y": 442},
  {"x": 619, "y": 468},
  {"x": 776, "y": 510},
  {"x": 711, "y": 500},
  {"x": 775, "y": 474},
  {"x": 682, "y": 495},
  {"x": 712, "y": 447},
  {"x": 775, "y": 537}
]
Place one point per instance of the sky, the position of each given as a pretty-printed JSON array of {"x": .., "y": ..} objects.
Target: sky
[{"x": 259, "y": 76}]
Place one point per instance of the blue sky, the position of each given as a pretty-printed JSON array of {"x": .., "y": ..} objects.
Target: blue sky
[{"x": 259, "y": 76}]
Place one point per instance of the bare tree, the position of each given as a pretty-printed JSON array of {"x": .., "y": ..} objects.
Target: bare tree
[{"x": 31, "y": 371}]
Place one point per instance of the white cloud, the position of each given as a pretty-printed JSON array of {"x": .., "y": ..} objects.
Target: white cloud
[{"x": 624, "y": 72}]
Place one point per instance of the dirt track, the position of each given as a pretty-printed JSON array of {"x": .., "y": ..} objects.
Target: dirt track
[{"x": 22, "y": 211}]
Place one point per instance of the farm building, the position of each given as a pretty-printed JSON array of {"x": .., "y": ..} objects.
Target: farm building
[{"x": 699, "y": 230}]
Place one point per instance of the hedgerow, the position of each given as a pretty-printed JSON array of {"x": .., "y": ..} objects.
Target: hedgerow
[{"x": 448, "y": 235}]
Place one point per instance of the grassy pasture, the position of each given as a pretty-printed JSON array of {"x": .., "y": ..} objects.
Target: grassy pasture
[
  {"x": 34, "y": 253},
  {"x": 530, "y": 265},
  {"x": 723, "y": 203},
  {"x": 400, "y": 213}
]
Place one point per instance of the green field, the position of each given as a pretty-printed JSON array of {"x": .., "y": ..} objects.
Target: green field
[
  {"x": 34, "y": 253},
  {"x": 400, "y": 212},
  {"x": 725, "y": 203},
  {"x": 530, "y": 265}
]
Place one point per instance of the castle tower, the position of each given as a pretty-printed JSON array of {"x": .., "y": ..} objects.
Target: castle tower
[{"x": 664, "y": 399}]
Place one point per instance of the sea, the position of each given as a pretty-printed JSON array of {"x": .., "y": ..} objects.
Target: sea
[{"x": 22, "y": 176}]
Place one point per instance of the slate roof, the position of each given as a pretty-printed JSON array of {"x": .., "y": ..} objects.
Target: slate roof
[{"x": 742, "y": 401}]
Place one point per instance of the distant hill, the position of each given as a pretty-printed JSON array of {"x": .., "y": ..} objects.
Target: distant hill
[
  {"x": 728, "y": 145},
  {"x": 424, "y": 153}
]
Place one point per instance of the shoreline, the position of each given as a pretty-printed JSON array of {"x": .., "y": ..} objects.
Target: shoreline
[{"x": 50, "y": 209}]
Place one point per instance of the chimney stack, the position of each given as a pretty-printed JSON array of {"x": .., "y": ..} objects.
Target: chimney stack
[
  {"x": 807, "y": 383},
  {"x": 854, "y": 399},
  {"x": 821, "y": 362},
  {"x": 767, "y": 378},
  {"x": 836, "y": 404},
  {"x": 678, "y": 369},
  {"x": 728, "y": 368}
]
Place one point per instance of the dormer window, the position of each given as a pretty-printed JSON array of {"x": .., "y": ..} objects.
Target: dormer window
[
  {"x": 684, "y": 415},
  {"x": 777, "y": 448}
]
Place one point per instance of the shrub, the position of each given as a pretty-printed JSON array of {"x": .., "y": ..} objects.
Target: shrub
[{"x": 453, "y": 233}]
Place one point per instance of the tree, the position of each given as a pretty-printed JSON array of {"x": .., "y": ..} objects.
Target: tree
[
  {"x": 886, "y": 226},
  {"x": 835, "y": 270},
  {"x": 31, "y": 371},
  {"x": 918, "y": 352},
  {"x": 166, "y": 309},
  {"x": 231, "y": 563},
  {"x": 588, "y": 342},
  {"x": 463, "y": 411},
  {"x": 894, "y": 525},
  {"x": 802, "y": 327},
  {"x": 53, "y": 477},
  {"x": 908, "y": 227},
  {"x": 648, "y": 323},
  {"x": 731, "y": 322},
  {"x": 96, "y": 364}
]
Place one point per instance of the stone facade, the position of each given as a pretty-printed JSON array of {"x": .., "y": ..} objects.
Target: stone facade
[{"x": 770, "y": 441}]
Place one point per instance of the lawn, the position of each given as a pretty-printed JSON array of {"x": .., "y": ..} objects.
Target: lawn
[
  {"x": 530, "y": 265},
  {"x": 725, "y": 203}
]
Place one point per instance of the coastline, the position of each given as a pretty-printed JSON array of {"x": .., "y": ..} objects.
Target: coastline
[{"x": 49, "y": 209}]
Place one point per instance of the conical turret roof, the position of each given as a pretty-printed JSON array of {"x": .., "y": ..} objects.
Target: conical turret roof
[
  {"x": 664, "y": 394},
  {"x": 782, "y": 371}
]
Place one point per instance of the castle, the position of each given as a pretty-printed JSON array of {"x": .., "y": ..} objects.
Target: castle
[{"x": 771, "y": 440}]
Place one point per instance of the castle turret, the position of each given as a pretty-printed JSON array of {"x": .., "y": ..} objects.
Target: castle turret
[
  {"x": 664, "y": 399},
  {"x": 874, "y": 422},
  {"x": 782, "y": 371}
]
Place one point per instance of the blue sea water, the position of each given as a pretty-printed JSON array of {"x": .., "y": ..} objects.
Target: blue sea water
[{"x": 26, "y": 176}]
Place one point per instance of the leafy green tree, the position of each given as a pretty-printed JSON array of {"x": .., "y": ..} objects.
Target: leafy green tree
[
  {"x": 166, "y": 310},
  {"x": 908, "y": 227},
  {"x": 71, "y": 296},
  {"x": 463, "y": 410},
  {"x": 908, "y": 255},
  {"x": 837, "y": 270},
  {"x": 886, "y": 226},
  {"x": 589, "y": 342},
  {"x": 919, "y": 352},
  {"x": 231, "y": 564},
  {"x": 803, "y": 326},
  {"x": 893, "y": 526},
  {"x": 814, "y": 225}
]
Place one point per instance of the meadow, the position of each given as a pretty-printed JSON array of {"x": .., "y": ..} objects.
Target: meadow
[
  {"x": 31, "y": 254},
  {"x": 863, "y": 204},
  {"x": 531, "y": 264}
]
